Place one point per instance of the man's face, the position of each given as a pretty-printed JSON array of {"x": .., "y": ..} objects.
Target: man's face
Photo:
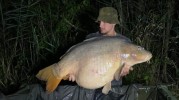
[{"x": 105, "y": 27}]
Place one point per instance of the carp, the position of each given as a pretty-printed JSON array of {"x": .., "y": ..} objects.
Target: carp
[{"x": 94, "y": 63}]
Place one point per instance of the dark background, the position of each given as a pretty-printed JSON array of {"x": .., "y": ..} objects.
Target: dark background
[{"x": 35, "y": 33}]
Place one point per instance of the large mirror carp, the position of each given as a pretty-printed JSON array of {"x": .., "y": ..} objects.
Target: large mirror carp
[{"x": 94, "y": 63}]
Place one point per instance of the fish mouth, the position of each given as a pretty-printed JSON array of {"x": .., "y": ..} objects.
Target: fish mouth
[{"x": 147, "y": 59}]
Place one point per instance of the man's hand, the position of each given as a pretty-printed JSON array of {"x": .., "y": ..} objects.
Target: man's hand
[{"x": 125, "y": 70}]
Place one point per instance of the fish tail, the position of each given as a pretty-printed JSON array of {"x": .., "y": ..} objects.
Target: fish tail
[
  {"x": 46, "y": 74},
  {"x": 52, "y": 84}
]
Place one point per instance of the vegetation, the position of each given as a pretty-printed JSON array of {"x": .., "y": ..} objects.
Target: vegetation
[{"x": 35, "y": 33}]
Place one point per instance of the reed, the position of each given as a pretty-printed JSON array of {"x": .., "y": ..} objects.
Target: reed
[
  {"x": 31, "y": 34},
  {"x": 150, "y": 24}
]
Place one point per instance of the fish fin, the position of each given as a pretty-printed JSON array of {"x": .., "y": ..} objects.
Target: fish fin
[
  {"x": 52, "y": 84},
  {"x": 106, "y": 88},
  {"x": 46, "y": 74},
  {"x": 92, "y": 38}
]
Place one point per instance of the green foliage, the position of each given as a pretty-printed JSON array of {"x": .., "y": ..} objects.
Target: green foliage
[
  {"x": 32, "y": 33},
  {"x": 150, "y": 24}
]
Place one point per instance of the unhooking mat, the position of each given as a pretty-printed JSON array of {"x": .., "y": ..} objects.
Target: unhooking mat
[{"x": 67, "y": 92}]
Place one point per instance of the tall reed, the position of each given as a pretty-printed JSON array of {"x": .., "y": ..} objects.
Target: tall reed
[{"x": 31, "y": 34}]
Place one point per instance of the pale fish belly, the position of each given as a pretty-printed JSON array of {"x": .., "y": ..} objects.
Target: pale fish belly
[{"x": 97, "y": 72}]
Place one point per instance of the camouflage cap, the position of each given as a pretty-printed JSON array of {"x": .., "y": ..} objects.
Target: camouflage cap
[{"x": 109, "y": 15}]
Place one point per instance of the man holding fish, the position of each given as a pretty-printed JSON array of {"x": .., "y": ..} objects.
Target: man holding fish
[
  {"x": 107, "y": 19},
  {"x": 98, "y": 62}
]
